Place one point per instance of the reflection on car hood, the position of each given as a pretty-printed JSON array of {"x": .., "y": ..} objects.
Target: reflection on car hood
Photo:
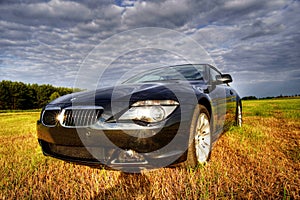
[{"x": 125, "y": 93}]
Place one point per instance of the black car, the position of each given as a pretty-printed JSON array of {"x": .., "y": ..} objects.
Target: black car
[{"x": 167, "y": 116}]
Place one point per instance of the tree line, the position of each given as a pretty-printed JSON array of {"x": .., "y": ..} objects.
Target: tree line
[
  {"x": 21, "y": 96},
  {"x": 274, "y": 97}
]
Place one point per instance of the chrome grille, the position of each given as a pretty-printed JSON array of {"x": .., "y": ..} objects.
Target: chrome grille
[{"x": 80, "y": 116}]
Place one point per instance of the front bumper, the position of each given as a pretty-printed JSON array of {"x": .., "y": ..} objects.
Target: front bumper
[{"x": 116, "y": 147}]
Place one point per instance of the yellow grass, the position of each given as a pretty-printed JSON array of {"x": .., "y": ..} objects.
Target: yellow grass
[{"x": 261, "y": 160}]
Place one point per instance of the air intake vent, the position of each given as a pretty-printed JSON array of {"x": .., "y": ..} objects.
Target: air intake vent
[{"x": 80, "y": 116}]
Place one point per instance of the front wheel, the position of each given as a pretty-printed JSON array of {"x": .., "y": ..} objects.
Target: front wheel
[{"x": 201, "y": 142}]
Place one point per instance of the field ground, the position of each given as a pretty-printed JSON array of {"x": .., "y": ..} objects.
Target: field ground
[{"x": 261, "y": 160}]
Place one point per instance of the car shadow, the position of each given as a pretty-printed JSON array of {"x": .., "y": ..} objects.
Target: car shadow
[{"x": 128, "y": 186}]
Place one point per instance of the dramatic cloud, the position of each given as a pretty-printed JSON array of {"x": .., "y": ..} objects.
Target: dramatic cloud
[{"x": 256, "y": 41}]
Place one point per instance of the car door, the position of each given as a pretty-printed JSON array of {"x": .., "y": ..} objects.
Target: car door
[
  {"x": 230, "y": 106},
  {"x": 224, "y": 98}
]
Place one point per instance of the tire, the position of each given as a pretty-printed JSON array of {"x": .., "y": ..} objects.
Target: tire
[
  {"x": 239, "y": 115},
  {"x": 200, "y": 136}
]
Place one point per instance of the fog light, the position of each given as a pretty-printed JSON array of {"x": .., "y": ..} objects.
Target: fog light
[{"x": 130, "y": 157}]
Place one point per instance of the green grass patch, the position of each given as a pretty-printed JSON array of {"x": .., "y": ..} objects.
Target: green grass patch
[
  {"x": 20, "y": 111},
  {"x": 290, "y": 108},
  {"x": 260, "y": 108},
  {"x": 247, "y": 133},
  {"x": 18, "y": 124}
]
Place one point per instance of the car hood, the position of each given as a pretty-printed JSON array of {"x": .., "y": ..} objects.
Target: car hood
[{"x": 125, "y": 93}]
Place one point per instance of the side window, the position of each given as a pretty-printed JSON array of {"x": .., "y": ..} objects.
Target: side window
[{"x": 203, "y": 72}]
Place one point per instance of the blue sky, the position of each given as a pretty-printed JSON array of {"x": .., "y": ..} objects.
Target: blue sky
[{"x": 258, "y": 42}]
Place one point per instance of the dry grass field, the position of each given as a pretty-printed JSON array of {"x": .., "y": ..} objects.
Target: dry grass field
[{"x": 261, "y": 160}]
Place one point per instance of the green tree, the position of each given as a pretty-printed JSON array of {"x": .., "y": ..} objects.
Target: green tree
[
  {"x": 18, "y": 95},
  {"x": 54, "y": 95}
]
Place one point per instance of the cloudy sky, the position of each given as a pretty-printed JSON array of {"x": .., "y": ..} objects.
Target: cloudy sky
[{"x": 50, "y": 42}]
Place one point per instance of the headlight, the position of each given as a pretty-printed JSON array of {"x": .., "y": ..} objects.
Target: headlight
[{"x": 150, "y": 110}]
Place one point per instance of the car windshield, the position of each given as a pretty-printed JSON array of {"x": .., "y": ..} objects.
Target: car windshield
[{"x": 179, "y": 72}]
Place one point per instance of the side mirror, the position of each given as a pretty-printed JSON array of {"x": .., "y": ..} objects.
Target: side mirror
[{"x": 224, "y": 78}]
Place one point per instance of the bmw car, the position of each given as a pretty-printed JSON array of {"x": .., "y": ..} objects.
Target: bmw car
[{"x": 165, "y": 117}]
